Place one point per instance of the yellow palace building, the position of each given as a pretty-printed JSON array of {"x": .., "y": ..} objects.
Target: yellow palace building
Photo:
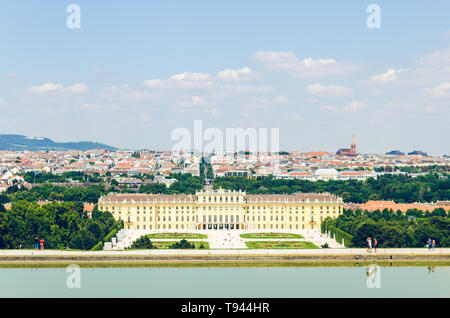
[{"x": 221, "y": 210}]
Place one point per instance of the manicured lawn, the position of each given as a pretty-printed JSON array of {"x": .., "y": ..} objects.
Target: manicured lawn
[
  {"x": 177, "y": 236},
  {"x": 280, "y": 244},
  {"x": 271, "y": 236},
  {"x": 166, "y": 244}
]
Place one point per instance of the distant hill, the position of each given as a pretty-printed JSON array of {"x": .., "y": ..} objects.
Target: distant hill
[
  {"x": 395, "y": 153},
  {"x": 19, "y": 142},
  {"x": 418, "y": 152}
]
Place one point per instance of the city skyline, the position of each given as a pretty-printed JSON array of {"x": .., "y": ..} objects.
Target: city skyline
[
  {"x": 340, "y": 151},
  {"x": 131, "y": 75}
]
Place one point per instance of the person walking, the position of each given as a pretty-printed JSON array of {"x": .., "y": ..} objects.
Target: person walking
[
  {"x": 433, "y": 243},
  {"x": 429, "y": 243},
  {"x": 42, "y": 244},
  {"x": 375, "y": 242},
  {"x": 36, "y": 243}
]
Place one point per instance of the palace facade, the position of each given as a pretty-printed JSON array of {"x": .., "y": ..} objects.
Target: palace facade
[{"x": 222, "y": 210}]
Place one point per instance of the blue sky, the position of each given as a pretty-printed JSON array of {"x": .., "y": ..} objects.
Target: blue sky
[{"x": 136, "y": 70}]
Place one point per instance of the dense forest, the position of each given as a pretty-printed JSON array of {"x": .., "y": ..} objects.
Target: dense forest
[
  {"x": 391, "y": 229},
  {"x": 62, "y": 225},
  {"x": 186, "y": 183},
  {"x": 69, "y": 176},
  {"x": 399, "y": 188},
  {"x": 49, "y": 192}
]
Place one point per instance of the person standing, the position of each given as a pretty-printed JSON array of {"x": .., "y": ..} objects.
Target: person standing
[
  {"x": 433, "y": 243},
  {"x": 36, "y": 243},
  {"x": 375, "y": 242},
  {"x": 42, "y": 244},
  {"x": 429, "y": 243}
]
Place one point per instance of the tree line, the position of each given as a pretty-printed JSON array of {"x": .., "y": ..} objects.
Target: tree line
[
  {"x": 62, "y": 225},
  {"x": 391, "y": 229},
  {"x": 399, "y": 188}
]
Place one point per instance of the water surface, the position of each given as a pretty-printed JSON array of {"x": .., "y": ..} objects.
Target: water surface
[{"x": 351, "y": 281}]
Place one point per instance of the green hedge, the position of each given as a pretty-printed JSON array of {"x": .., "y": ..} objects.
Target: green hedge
[
  {"x": 98, "y": 246},
  {"x": 340, "y": 236},
  {"x": 110, "y": 235}
]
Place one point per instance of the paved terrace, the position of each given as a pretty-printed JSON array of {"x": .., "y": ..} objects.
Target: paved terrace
[
  {"x": 445, "y": 252},
  {"x": 230, "y": 239}
]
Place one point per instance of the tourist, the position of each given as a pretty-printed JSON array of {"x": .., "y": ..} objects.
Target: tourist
[
  {"x": 42, "y": 244},
  {"x": 369, "y": 247},
  {"x": 429, "y": 243},
  {"x": 433, "y": 243},
  {"x": 375, "y": 242},
  {"x": 36, "y": 243}
]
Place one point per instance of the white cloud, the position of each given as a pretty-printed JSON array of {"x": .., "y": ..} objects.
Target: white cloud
[
  {"x": 227, "y": 83},
  {"x": 187, "y": 76},
  {"x": 446, "y": 33},
  {"x": 184, "y": 80},
  {"x": 328, "y": 90},
  {"x": 144, "y": 117},
  {"x": 329, "y": 108},
  {"x": 191, "y": 80},
  {"x": 245, "y": 89},
  {"x": 137, "y": 95},
  {"x": 154, "y": 83},
  {"x": 242, "y": 74},
  {"x": 115, "y": 87},
  {"x": 437, "y": 58},
  {"x": 440, "y": 91},
  {"x": 352, "y": 107},
  {"x": 51, "y": 87},
  {"x": 400, "y": 105},
  {"x": 45, "y": 88},
  {"x": 304, "y": 68},
  {"x": 390, "y": 76},
  {"x": 193, "y": 103},
  {"x": 100, "y": 107},
  {"x": 76, "y": 88},
  {"x": 127, "y": 93},
  {"x": 198, "y": 100},
  {"x": 257, "y": 103},
  {"x": 281, "y": 100},
  {"x": 96, "y": 71},
  {"x": 434, "y": 66},
  {"x": 10, "y": 74}
]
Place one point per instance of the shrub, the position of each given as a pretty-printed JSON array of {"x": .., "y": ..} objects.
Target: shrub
[
  {"x": 98, "y": 246},
  {"x": 183, "y": 244},
  {"x": 143, "y": 243},
  {"x": 340, "y": 236},
  {"x": 110, "y": 235}
]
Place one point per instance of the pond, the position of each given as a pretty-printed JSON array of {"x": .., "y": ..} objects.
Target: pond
[{"x": 207, "y": 282}]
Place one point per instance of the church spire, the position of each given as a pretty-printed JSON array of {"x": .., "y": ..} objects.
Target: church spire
[{"x": 353, "y": 144}]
